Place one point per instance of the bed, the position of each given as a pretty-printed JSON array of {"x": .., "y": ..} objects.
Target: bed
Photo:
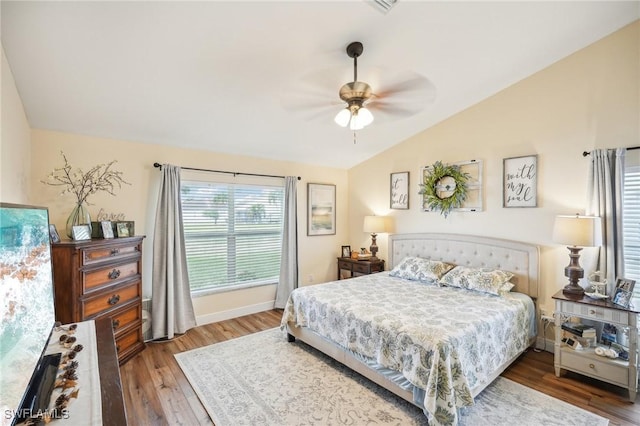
[{"x": 435, "y": 346}]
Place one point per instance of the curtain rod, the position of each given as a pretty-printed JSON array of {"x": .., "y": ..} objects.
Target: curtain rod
[
  {"x": 631, "y": 148},
  {"x": 159, "y": 166}
]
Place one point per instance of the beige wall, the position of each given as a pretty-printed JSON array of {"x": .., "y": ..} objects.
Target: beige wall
[
  {"x": 137, "y": 202},
  {"x": 585, "y": 101},
  {"x": 15, "y": 146}
]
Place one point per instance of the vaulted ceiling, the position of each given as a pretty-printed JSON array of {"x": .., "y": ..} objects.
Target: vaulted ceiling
[{"x": 261, "y": 78}]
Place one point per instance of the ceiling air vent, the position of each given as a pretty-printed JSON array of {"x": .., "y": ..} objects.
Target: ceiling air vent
[{"x": 383, "y": 5}]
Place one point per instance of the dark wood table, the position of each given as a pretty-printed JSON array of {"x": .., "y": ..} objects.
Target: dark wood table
[{"x": 113, "y": 408}]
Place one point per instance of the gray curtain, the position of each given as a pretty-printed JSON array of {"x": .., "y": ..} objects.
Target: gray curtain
[
  {"x": 604, "y": 198},
  {"x": 172, "y": 309},
  {"x": 289, "y": 262}
]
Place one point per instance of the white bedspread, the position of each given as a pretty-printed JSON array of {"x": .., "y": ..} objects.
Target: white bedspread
[{"x": 444, "y": 340}]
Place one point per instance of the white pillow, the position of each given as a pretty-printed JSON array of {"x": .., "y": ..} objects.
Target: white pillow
[
  {"x": 419, "y": 269},
  {"x": 492, "y": 281}
]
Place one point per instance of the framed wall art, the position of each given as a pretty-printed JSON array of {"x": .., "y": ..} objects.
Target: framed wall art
[
  {"x": 520, "y": 181},
  {"x": 321, "y": 209},
  {"x": 444, "y": 181},
  {"x": 399, "y": 191}
]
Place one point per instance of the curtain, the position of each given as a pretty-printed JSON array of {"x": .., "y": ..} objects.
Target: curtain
[
  {"x": 289, "y": 259},
  {"x": 604, "y": 198},
  {"x": 172, "y": 309}
]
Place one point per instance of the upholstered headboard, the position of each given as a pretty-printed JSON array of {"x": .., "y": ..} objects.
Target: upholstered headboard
[{"x": 522, "y": 259}]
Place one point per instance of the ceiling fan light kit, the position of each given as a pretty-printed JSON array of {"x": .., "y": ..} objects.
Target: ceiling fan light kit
[{"x": 355, "y": 94}]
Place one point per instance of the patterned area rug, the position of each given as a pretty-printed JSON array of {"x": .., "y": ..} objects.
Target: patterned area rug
[{"x": 261, "y": 379}]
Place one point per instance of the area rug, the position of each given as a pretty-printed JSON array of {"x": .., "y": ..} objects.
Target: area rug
[{"x": 261, "y": 379}]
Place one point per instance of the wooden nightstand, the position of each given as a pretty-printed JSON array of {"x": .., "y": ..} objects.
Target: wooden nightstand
[
  {"x": 358, "y": 267},
  {"x": 619, "y": 372}
]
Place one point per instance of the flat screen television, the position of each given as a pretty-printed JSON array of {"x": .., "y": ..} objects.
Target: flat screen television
[{"x": 27, "y": 315}]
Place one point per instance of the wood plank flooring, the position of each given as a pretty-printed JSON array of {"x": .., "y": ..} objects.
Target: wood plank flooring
[{"x": 156, "y": 391}]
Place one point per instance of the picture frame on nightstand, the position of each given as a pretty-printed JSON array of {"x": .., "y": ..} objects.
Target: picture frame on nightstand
[
  {"x": 346, "y": 251},
  {"x": 623, "y": 292}
]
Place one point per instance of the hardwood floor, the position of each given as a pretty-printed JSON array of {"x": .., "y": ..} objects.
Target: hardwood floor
[{"x": 157, "y": 393}]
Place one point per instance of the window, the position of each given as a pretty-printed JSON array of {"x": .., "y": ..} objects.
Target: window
[
  {"x": 233, "y": 234},
  {"x": 631, "y": 220}
]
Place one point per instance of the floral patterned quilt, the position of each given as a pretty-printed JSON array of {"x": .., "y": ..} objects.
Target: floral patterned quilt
[{"x": 444, "y": 340}]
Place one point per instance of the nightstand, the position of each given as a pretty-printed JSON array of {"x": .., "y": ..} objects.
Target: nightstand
[
  {"x": 616, "y": 371},
  {"x": 358, "y": 267}
]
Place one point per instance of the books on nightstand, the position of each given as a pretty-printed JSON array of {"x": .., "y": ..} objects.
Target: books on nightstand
[{"x": 581, "y": 330}]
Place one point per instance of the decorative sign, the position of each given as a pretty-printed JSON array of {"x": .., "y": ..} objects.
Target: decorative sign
[
  {"x": 520, "y": 177},
  {"x": 399, "y": 193}
]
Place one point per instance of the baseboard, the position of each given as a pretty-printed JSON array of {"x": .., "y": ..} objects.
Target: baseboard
[
  {"x": 544, "y": 344},
  {"x": 234, "y": 313}
]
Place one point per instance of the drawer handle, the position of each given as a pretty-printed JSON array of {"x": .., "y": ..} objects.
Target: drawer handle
[
  {"x": 114, "y": 274},
  {"x": 592, "y": 312},
  {"x": 114, "y": 299},
  {"x": 591, "y": 366},
  {"x": 116, "y": 324},
  {"x": 114, "y": 251}
]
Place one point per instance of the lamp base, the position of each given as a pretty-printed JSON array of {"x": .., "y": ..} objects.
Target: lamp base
[
  {"x": 573, "y": 290},
  {"x": 574, "y": 272}
]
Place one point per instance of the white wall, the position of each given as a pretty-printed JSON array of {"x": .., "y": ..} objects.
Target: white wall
[
  {"x": 585, "y": 101},
  {"x": 15, "y": 146}
]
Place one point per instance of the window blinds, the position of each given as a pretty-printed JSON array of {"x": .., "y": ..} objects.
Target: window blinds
[
  {"x": 631, "y": 225},
  {"x": 233, "y": 233}
]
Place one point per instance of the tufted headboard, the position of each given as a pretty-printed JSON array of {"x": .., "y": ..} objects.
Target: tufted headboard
[{"x": 522, "y": 259}]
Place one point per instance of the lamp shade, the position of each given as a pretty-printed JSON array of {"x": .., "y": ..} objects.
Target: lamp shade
[
  {"x": 580, "y": 231},
  {"x": 343, "y": 117},
  {"x": 374, "y": 224}
]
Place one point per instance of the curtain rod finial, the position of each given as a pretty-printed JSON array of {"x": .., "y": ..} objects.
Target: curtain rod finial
[
  {"x": 585, "y": 153},
  {"x": 157, "y": 165}
]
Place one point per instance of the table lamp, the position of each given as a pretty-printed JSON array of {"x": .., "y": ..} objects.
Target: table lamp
[
  {"x": 374, "y": 225},
  {"x": 576, "y": 232}
]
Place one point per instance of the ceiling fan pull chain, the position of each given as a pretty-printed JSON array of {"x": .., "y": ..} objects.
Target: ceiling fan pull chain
[{"x": 354, "y": 137}]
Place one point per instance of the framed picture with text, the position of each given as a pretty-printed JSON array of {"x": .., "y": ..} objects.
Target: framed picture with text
[
  {"x": 520, "y": 181},
  {"x": 399, "y": 191},
  {"x": 321, "y": 209}
]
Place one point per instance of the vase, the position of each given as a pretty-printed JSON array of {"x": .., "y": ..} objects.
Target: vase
[{"x": 79, "y": 216}]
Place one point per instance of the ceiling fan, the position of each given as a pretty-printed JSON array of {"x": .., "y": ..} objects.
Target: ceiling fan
[
  {"x": 391, "y": 95},
  {"x": 356, "y": 93}
]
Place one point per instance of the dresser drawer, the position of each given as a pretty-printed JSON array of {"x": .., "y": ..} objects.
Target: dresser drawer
[
  {"x": 110, "y": 299},
  {"x": 91, "y": 256},
  {"x": 123, "y": 318},
  {"x": 589, "y": 364},
  {"x": 111, "y": 275},
  {"x": 363, "y": 269},
  {"x": 129, "y": 344},
  {"x": 598, "y": 313},
  {"x": 344, "y": 265}
]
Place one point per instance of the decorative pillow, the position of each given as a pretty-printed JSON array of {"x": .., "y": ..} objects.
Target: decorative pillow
[
  {"x": 419, "y": 269},
  {"x": 492, "y": 281}
]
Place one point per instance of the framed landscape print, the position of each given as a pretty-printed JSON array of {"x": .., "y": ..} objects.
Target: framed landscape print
[
  {"x": 321, "y": 209},
  {"x": 399, "y": 191},
  {"x": 520, "y": 181}
]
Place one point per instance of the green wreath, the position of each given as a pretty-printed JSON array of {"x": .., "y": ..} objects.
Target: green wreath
[{"x": 431, "y": 187}]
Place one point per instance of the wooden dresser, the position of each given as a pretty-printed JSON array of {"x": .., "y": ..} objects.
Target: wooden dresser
[{"x": 98, "y": 279}]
